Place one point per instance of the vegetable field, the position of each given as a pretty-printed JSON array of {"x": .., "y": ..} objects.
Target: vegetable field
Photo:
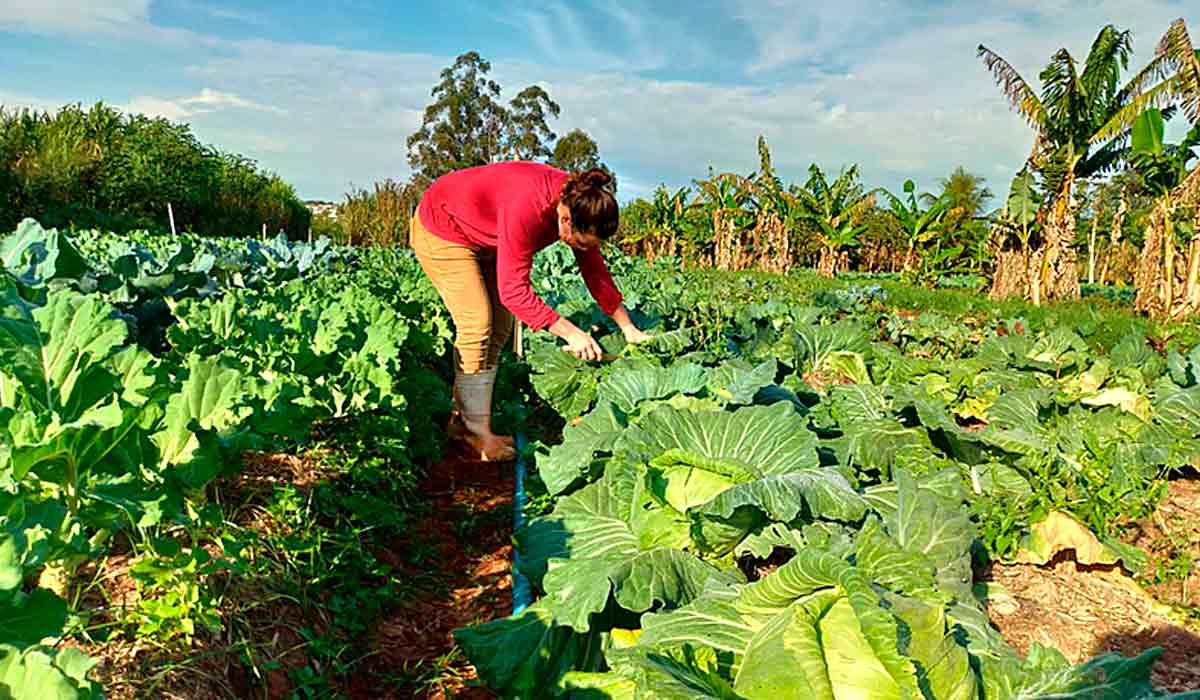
[
  {"x": 137, "y": 371},
  {"x": 799, "y": 489},
  {"x": 791, "y": 499}
]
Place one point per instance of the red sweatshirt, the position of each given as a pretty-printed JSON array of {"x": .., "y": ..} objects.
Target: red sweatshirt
[{"x": 512, "y": 207}]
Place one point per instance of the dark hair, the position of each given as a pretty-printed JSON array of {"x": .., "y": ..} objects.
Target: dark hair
[{"x": 593, "y": 208}]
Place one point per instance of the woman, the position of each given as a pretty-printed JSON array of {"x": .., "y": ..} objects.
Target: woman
[{"x": 475, "y": 233}]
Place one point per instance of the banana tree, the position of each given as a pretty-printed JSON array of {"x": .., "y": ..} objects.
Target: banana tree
[
  {"x": 777, "y": 214},
  {"x": 1019, "y": 218},
  {"x": 668, "y": 211},
  {"x": 835, "y": 210},
  {"x": 920, "y": 225},
  {"x": 1082, "y": 119},
  {"x": 723, "y": 197},
  {"x": 1163, "y": 170}
]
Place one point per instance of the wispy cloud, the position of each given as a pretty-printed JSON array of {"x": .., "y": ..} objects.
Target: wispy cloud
[
  {"x": 221, "y": 12},
  {"x": 72, "y": 15},
  {"x": 207, "y": 101},
  {"x": 600, "y": 35}
]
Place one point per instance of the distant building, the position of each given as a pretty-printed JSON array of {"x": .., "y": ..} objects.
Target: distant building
[{"x": 319, "y": 208}]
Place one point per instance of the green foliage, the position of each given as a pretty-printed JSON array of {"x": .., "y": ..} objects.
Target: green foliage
[
  {"x": 867, "y": 447},
  {"x": 467, "y": 125},
  {"x": 1161, "y": 167},
  {"x": 575, "y": 151},
  {"x": 100, "y": 437},
  {"x": 99, "y": 168}
]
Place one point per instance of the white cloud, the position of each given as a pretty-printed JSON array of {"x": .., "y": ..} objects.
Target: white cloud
[
  {"x": 210, "y": 99},
  {"x": 72, "y": 15},
  {"x": 207, "y": 101},
  {"x": 158, "y": 107}
]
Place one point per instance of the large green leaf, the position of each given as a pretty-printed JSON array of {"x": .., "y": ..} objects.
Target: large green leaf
[
  {"x": 1023, "y": 199},
  {"x": 37, "y": 673},
  {"x": 572, "y": 460},
  {"x": 737, "y": 382},
  {"x": 210, "y": 403},
  {"x": 523, "y": 655},
  {"x": 609, "y": 538},
  {"x": 629, "y": 388},
  {"x": 818, "y": 345},
  {"x": 1147, "y": 133},
  {"x": 58, "y": 354},
  {"x": 812, "y": 629},
  {"x": 28, "y": 618},
  {"x": 567, "y": 384},
  {"x": 764, "y": 439},
  {"x": 36, "y": 255}
]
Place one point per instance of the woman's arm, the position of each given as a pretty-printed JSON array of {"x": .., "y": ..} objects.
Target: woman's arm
[
  {"x": 604, "y": 290},
  {"x": 633, "y": 334},
  {"x": 514, "y": 260},
  {"x": 579, "y": 343}
]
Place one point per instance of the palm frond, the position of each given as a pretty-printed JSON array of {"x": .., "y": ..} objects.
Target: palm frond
[
  {"x": 1108, "y": 56},
  {"x": 854, "y": 211},
  {"x": 1062, "y": 94},
  {"x": 845, "y": 189},
  {"x": 1119, "y": 124},
  {"x": 1158, "y": 70},
  {"x": 1176, "y": 46},
  {"x": 1102, "y": 161},
  {"x": 1020, "y": 96}
]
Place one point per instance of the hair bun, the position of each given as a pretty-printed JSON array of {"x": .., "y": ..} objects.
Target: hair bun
[
  {"x": 593, "y": 205},
  {"x": 596, "y": 177}
]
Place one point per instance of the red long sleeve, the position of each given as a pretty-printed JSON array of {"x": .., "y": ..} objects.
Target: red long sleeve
[{"x": 511, "y": 207}]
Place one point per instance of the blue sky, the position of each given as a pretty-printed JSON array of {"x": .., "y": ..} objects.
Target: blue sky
[{"x": 326, "y": 93}]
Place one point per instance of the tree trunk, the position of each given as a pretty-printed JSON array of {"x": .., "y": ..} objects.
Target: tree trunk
[
  {"x": 827, "y": 266},
  {"x": 1012, "y": 275},
  {"x": 771, "y": 244},
  {"x": 1059, "y": 274},
  {"x": 1148, "y": 277},
  {"x": 1092, "y": 249},
  {"x": 1163, "y": 288}
]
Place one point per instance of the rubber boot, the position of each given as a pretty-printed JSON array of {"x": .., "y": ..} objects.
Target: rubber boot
[{"x": 475, "y": 395}]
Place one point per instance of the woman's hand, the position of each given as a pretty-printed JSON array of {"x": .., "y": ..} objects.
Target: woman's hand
[
  {"x": 634, "y": 335},
  {"x": 579, "y": 343},
  {"x": 583, "y": 346}
]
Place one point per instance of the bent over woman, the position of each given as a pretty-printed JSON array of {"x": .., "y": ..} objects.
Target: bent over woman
[{"x": 475, "y": 233}]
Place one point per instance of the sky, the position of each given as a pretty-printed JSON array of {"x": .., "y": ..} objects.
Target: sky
[{"x": 326, "y": 93}]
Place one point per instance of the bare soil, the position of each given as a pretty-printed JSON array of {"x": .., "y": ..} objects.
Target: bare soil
[
  {"x": 470, "y": 526},
  {"x": 1172, "y": 537},
  {"x": 1088, "y": 610}
]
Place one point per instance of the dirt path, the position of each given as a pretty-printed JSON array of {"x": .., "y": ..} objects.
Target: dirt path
[
  {"x": 1089, "y": 610},
  {"x": 469, "y": 532}
]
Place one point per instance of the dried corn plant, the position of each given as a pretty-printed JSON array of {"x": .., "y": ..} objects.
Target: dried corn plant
[{"x": 379, "y": 216}]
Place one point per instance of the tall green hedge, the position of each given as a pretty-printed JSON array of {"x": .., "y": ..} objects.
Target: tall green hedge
[{"x": 102, "y": 168}]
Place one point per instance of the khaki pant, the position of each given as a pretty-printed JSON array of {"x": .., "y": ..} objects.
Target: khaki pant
[{"x": 466, "y": 281}]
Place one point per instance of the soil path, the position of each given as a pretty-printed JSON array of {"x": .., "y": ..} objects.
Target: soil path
[{"x": 469, "y": 533}]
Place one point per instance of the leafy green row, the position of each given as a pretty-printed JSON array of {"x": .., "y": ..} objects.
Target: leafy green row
[
  {"x": 99, "y": 436},
  {"x": 784, "y": 500}
]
